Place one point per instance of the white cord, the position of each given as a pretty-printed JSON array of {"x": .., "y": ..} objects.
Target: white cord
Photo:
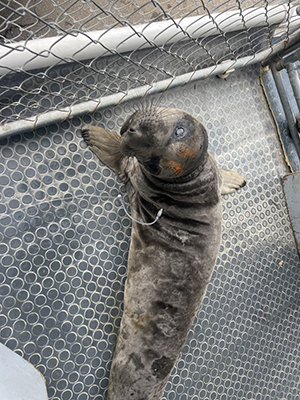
[{"x": 135, "y": 220}]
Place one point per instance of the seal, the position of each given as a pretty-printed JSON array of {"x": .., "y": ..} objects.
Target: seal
[{"x": 161, "y": 155}]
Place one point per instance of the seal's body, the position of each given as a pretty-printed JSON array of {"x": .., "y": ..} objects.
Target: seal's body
[{"x": 162, "y": 157}]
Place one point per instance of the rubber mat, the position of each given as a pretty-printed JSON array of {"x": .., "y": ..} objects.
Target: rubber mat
[{"x": 64, "y": 246}]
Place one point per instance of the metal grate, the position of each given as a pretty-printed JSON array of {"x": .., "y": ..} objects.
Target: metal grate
[{"x": 64, "y": 247}]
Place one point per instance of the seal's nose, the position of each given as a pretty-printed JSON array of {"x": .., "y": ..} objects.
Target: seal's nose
[
  {"x": 131, "y": 127},
  {"x": 134, "y": 142},
  {"x": 135, "y": 135},
  {"x": 136, "y": 127},
  {"x": 127, "y": 129},
  {"x": 133, "y": 132}
]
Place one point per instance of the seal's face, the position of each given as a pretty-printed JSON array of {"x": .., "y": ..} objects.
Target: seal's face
[{"x": 168, "y": 143}]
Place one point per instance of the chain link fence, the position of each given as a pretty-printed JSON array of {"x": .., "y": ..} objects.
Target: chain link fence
[
  {"x": 63, "y": 239},
  {"x": 60, "y": 58}
]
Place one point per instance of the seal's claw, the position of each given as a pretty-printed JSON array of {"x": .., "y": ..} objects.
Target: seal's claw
[
  {"x": 97, "y": 136},
  {"x": 85, "y": 132},
  {"x": 104, "y": 144}
]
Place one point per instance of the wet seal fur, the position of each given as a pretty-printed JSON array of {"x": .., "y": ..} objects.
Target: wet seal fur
[{"x": 162, "y": 157}]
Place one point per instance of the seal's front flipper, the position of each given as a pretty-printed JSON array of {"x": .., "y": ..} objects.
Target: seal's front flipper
[
  {"x": 231, "y": 181},
  {"x": 105, "y": 144}
]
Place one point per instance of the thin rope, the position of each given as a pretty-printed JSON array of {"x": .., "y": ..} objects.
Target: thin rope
[{"x": 120, "y": 198}]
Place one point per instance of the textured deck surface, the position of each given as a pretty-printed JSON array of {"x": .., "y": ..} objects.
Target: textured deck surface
[{"x": 64, "y": 246}]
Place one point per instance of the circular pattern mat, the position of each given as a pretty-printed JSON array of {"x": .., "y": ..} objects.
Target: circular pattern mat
[{"x": 64, "y": 243}]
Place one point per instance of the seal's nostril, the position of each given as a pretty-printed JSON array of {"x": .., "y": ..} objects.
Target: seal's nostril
[
  {"x": 127, "y": 129},
  {"x": 131, "y": 130}
]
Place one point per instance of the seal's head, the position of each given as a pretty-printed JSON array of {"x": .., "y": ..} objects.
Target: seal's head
[{"x": 168, "y": 143}]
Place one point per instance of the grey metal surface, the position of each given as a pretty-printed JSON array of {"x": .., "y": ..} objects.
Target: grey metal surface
[
  {"x": 64, "y": 246},
  {"x": 293, "y": 72},
  {"x": 288, "y": 111},
  {"x": 291, "y": 187},
  {"x": 278, "y": 111}
]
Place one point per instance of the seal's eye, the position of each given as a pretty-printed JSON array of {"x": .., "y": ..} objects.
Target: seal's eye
[{"x": 180, "y": 132}]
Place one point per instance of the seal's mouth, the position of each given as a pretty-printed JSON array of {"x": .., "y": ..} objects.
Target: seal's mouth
[{"x": 152, "y": 165}]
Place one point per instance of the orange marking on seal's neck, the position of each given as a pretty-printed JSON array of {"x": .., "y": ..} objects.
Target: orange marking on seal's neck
[
  {"x": 175, "y": 167},
  {"x": 186, "y": 152}
]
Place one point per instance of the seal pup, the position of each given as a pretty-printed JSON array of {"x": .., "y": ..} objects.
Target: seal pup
[{"x": 161, "y": 155}]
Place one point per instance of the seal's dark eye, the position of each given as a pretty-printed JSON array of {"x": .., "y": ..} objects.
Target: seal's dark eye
[{"x": 180, "y": 132}]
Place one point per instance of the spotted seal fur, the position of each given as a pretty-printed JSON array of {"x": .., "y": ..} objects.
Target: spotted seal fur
[{"x": 161, "y": 155}]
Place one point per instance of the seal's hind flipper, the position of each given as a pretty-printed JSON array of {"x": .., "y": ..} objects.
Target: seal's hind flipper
[
  {"x": 231, "y": 181},
  {"x": 105, "y": 144}
]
